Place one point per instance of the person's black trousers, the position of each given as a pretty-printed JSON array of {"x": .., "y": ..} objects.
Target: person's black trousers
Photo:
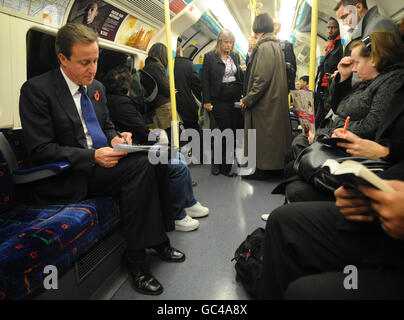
[
  {"x": 312, "y": 239},
  {"x": 227, "y": 116},
  {"x": 145, "y": 209}
]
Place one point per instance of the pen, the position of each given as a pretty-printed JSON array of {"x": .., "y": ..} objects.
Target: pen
[
  {"x": 346, "y": 124},
  {"x": 121, "y": 136}
]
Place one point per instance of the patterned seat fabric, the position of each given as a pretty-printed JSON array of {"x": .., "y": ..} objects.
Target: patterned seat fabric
[{"x": 32, "y": 237}]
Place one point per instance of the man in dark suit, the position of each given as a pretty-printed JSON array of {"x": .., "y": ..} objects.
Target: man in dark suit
[
  {"x": 188, "y": 85},
  {"x": 64, "y": 118}
]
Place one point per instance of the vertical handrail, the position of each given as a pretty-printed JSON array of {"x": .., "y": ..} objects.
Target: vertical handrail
[
  {"x": 253, "y": 13},
  {"x": 313, "y": 44},
  {"x": 174, "y": 119}
]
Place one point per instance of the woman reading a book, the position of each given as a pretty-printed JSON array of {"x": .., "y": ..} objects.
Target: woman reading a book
[{"x": 378, "y": 62}]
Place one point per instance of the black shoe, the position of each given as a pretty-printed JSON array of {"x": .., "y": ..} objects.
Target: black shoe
[
  {"x": 225, "y": 169},
  {"x": 171, "y": 254},
  {"x": 144, "y": 282},
  {"x": 258, "y": 175},
  {"x": 215, "y": 169}
]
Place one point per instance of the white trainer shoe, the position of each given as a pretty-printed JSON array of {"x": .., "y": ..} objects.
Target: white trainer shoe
[
  {"x": 197, "y": 211},
  {"x": 186, "y": 224},
  {"x": 265, "y": 216}
]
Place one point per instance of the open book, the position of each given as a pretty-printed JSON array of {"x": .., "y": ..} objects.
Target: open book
[
  {"x": 304, "y": 104},
  {"x": 351, "y": 173}
]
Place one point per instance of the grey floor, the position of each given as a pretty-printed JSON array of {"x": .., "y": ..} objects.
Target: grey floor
[{"x": 208, "y": 273}]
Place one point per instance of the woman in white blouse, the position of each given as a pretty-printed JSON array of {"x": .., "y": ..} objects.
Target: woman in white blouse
[{"x": 222, "y": 81}]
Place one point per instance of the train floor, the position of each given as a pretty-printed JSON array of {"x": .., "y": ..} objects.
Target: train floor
[{"x": 236, "y": 206}]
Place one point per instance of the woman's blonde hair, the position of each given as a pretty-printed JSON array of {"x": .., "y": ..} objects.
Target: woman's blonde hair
[
  {"x": 223, "y": 35},
  {"x": 384, "y": 48}
]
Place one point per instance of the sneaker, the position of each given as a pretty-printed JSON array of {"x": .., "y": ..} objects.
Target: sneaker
[
  {"x": 186, "y": 224},
  {"x": 265, "y": 216},
  {"x": 197, "y": 211}
]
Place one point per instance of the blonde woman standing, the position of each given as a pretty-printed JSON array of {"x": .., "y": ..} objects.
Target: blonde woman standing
[{"x": 222, "y": 81}]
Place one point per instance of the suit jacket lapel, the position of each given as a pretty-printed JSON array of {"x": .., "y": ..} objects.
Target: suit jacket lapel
[{"x": 66, "y": 101}]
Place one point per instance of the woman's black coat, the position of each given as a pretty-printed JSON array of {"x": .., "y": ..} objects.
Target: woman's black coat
[{"x": 212, "y": 74}]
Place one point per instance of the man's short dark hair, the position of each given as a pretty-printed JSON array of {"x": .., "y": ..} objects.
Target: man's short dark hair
[
  {"x": 333, "y": 19},
  {"x": 263, "y": 23},
  {"x": 70, "y": 34},
  {"x": 350, "y": 2},
  {"x": 305, "y": 78}
]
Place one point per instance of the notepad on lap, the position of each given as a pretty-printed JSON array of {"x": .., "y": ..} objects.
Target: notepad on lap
[
  {"x": 140, "y": 148},
  {"x": 351, "y": 173}
]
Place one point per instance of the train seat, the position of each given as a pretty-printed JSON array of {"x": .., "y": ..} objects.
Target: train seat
[{"x": 32, "y": 237}]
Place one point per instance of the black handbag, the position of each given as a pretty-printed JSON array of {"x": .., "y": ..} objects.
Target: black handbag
[{"x": 309, "y": 161}]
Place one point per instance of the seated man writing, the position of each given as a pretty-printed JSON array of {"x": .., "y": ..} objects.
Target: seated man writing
[{"x": 64, "y": 118}]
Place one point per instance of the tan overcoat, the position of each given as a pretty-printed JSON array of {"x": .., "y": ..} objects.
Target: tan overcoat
[{"x": 266, "y": 100}]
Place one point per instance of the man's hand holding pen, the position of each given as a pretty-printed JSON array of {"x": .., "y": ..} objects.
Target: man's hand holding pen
[{"x": 123, "y": 138}]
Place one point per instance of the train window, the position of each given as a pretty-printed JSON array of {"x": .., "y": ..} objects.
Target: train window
[
  {"x": 190, "y": 51},
  {"x": 41, "y": 56},
  {"x": 109, "y": 59}
]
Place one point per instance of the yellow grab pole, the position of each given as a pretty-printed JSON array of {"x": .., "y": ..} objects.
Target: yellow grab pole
[
  {"x": 313, "y": 44},
  {"x": 253, "y": 8},
  {"x": 174, "y": 122}
]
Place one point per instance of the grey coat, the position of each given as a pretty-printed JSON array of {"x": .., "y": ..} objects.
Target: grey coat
[
  {"x": 266, "y": 101},
  {"x": 365, "y": 102}
]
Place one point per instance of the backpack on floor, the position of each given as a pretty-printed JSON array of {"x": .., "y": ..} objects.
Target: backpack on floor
[{"x": 248, "y": 258}]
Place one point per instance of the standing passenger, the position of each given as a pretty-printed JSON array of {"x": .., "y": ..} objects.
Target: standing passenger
[
  {"x": 222, "y": 81},
  {"x": 189, "y": 87},
  {"x": 266, "y": 100},
  {"x": 156, "y": 65},
  {"x": 362, "y": 21},
  {"x": 333, "y": 53}
]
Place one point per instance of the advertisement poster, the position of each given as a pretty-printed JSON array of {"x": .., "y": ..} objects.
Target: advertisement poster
[
  {"x": 50, "y": 11},
  {"x": 99, "y": 16},
  {"x": 304, "y": 104},
  {"x": 112, "y": 23},
  {"x": 134, "y": 33}
]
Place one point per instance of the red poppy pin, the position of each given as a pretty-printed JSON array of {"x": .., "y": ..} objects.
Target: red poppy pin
[{"x": 97, "y": 96}]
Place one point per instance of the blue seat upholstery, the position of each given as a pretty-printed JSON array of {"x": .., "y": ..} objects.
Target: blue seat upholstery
[{"x": 32, "y": 237}]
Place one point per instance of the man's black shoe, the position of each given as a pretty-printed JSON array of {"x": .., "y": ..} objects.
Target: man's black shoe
[
  {"x": 215, "y": 169},
  {"x": 145, "y": 283},
  {"x": 171, "y": 254},
  {"x": 143, "y": 280}
]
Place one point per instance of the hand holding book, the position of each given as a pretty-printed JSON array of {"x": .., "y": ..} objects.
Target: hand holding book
[{"x": 389, "y": 206}]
